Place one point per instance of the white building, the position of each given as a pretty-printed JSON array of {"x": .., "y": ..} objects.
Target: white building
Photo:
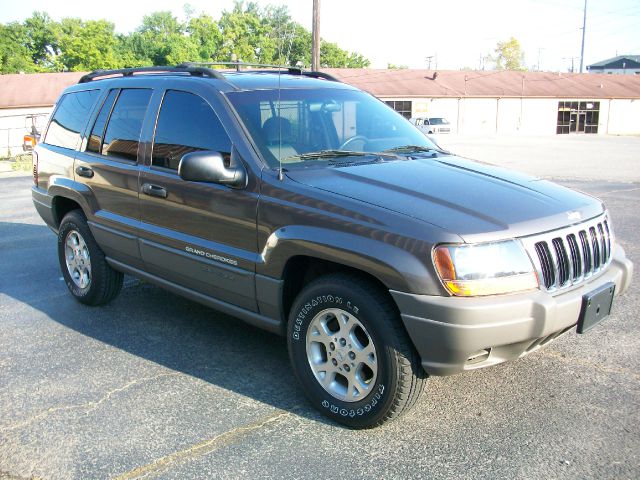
[{"x": 508, "y": 102}]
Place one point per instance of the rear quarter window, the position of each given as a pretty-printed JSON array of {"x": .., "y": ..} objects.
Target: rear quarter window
[{"x": 69, "y": 119}]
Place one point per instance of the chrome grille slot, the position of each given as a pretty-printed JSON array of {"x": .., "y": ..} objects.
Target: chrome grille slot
[
  {"x": 544, "y": 254},
  {"x": 586, "y": 249},
  {"x": 603, "y": 243},
  {"x": 568, "y": 256},
  {"x": 562, "y": 261},
  {"x": 608, "y": 235},
  {"x": 595, "y": 248},
  {"x": 576, "y": 259}
]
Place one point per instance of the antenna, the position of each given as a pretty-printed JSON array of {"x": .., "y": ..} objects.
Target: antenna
[
  {"x": 279, "y": 118},
  {"x": 280, "y": 173}
]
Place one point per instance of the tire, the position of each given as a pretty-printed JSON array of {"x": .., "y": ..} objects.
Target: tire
[
  {"x": 84, "y": 268},
  {"x": 370, "y": 377}
]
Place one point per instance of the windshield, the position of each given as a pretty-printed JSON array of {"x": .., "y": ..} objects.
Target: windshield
[{"x": 321, "y": 121}]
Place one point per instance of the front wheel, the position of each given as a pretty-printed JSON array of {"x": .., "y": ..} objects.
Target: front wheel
[{"x": 350, "y": 352}]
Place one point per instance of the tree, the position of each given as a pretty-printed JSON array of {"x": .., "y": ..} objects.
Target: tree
[
  {"x": 40, "y": 38},
  {"x": 333, "y": 56},
  {"x": 205, "y": 34},
  {"x": 86, "y": 45},
  {"x": 161, "y": 40},
  {"x": 509, "y": 55},
  {"x": 15, "y": 56},
  {"x": 244, "y": 34},
  {"x": 250, "y": 32}
]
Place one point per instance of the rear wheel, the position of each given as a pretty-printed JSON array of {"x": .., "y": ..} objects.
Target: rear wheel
[
  {"x": 87, "y": 274},
  {"x": 350, "y": 352}
]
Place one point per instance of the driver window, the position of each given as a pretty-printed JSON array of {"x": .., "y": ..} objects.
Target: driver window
[{"x": 186, "y": 124}]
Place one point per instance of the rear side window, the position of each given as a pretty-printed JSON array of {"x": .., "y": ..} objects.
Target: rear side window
[
  {"x": 186, "y": 124},
  {"x": 97, "y": 132},
  {"x": 122, "y": 136},
  {"x": 70, "y": 118}
]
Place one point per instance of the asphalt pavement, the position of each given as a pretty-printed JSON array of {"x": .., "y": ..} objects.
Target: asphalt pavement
[{"x": 156, "y": 386}]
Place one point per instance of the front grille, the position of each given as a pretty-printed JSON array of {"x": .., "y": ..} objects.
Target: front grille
[{"x": 571, "y": 255}]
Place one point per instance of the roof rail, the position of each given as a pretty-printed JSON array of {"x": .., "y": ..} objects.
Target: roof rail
[
  {"x": 262, "y": 69},
  {"x": 196, "y": 69},
  {"x": 129, "y": 72},
  {"x": 237, "y": 65},
  {"x": 326, "y": 76}
]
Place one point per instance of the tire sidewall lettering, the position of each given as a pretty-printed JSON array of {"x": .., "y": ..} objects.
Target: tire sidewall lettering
[
  {"x": 319, "y": 300},
  {"x": 353, "y": 412}
]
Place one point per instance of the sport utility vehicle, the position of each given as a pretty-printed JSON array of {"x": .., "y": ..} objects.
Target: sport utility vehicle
[{"x": 308, "y": 208}]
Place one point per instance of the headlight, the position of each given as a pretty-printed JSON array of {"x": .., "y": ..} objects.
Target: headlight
[{"x": 485, "y": 268}]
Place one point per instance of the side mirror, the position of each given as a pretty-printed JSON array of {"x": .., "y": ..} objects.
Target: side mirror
[{"x": 208, "y": 166}]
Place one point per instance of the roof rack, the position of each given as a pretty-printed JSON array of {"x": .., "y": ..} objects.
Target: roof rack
[
  {"x": 263, "y": 68},
  {"x": 197, "y": 69},
  {"x": 129, "y": 72},
  {"x": 237, "y": 65}
]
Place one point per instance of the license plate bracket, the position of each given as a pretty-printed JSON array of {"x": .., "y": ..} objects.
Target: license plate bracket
[{"x": 596, "y": 306}]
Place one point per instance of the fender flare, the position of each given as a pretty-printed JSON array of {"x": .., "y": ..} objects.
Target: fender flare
[
  {"x": 397, "y": 268},
  {"x": 65, "y": 187}
]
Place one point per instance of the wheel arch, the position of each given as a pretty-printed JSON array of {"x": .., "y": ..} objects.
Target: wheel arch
[
  {"x": 68, "y": 195},
  {"x": 296, "y": 255},
  {"x": 300, "y": 270}
]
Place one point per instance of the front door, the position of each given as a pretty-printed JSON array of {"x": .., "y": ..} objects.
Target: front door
[{"x": 201, "y": 236}]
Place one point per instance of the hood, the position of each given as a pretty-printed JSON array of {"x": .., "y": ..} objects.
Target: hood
[{"x": 476, "y": 201}]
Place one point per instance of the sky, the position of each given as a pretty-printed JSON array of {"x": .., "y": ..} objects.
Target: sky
[{"x": 455, "y": 33}]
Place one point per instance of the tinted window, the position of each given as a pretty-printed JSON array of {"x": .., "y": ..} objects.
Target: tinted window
[
  {"x": 70, "y": 118},
  {"x": 122, "y": 136},
  {"x": 95, "y": 139},
  {"x": 186, "y": 124}
]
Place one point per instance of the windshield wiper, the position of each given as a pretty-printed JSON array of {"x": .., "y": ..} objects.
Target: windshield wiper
[
  {"x": 328, "y": 154},
  {"x": 413, "y": 149}
]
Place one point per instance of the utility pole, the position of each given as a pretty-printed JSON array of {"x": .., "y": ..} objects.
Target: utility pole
[
  {"x": 429, "y": 61},
  {"x": 584, "y": 28},
  {"x": 315, "y": 47},
  {"x": 572, "y": 64},
  {"x": 539, "y": 51}
]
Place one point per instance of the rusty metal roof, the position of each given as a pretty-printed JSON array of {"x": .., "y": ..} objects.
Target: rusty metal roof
[
  {"x": 34, "y": 89},
  {"x": 454, "y": 83},
  {"x": 43, "y": 89}
]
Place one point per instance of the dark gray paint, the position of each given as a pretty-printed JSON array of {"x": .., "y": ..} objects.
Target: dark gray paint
[{"x": 228, "y": 247}]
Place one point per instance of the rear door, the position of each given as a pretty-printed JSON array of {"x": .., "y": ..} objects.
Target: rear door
[
  {"x": 199, "y": 235},
  {"x": 108, "y": 166}
]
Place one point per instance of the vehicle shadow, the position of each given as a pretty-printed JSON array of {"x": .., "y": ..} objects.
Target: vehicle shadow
[{"x": 153, "y": 324}]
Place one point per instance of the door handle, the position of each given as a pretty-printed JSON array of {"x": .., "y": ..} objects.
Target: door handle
[
  {"x": 154, "y": 190},
  {"x": 84, "y": 171}
]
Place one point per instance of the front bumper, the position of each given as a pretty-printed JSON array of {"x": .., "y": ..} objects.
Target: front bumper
[{"x": 453, "y": 334}]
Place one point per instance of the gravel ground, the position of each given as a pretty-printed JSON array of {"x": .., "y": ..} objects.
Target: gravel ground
[{"x": 156, "y": 386}]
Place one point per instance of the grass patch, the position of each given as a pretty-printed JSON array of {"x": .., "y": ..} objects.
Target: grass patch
[{"x": 21, "y": 163}]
